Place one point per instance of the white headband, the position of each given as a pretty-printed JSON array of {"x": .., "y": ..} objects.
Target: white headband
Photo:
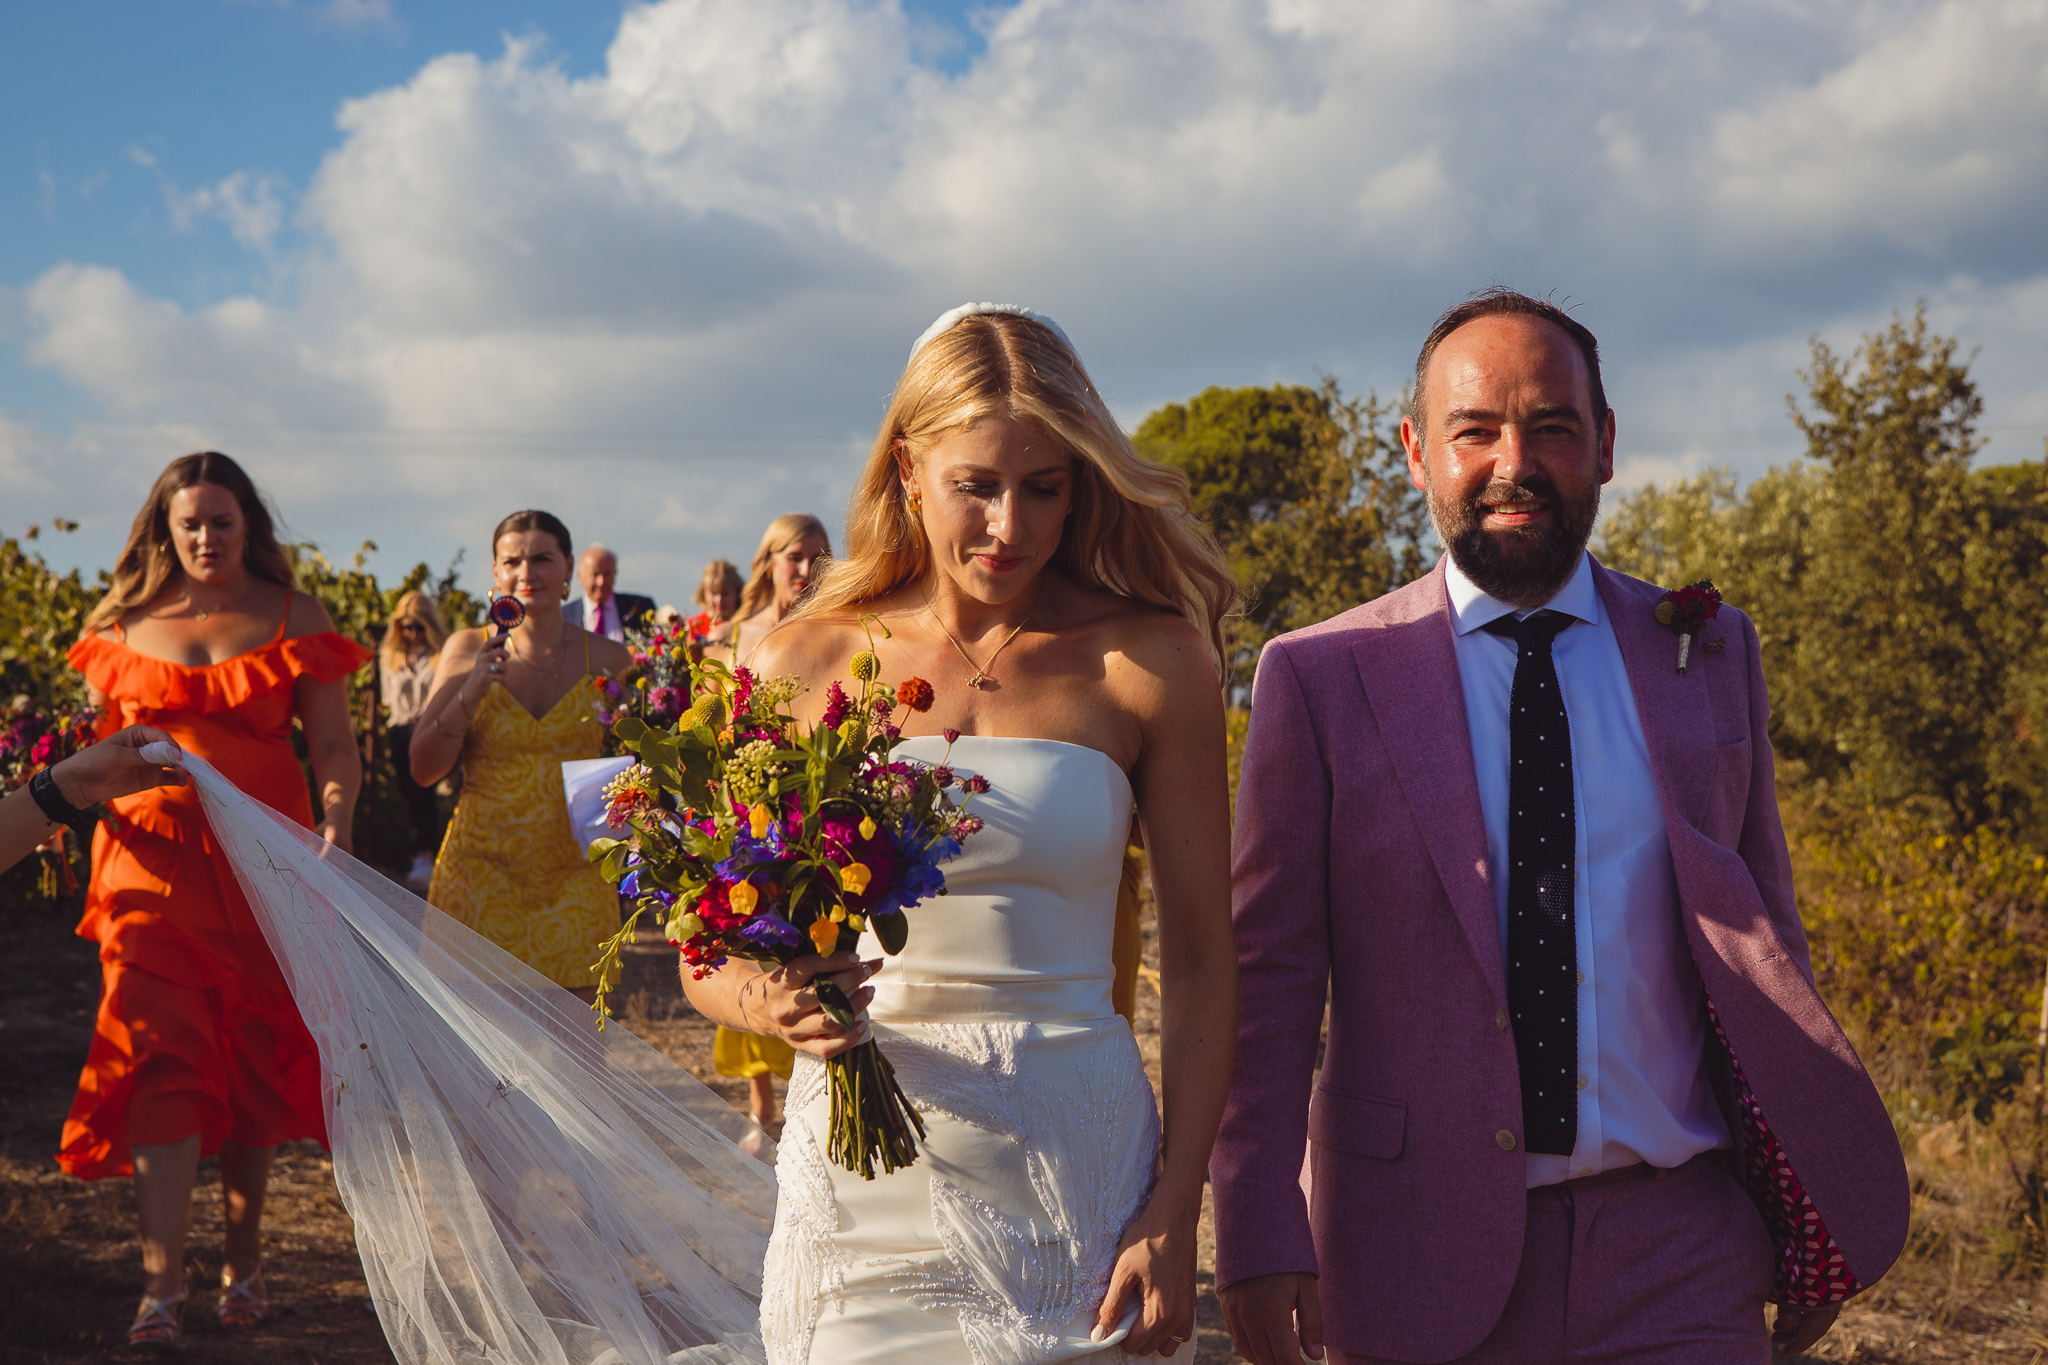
[{"x": 967, "y": 310}]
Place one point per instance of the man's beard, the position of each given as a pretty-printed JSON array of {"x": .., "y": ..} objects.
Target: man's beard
[{"x": 1523, "y": 566}]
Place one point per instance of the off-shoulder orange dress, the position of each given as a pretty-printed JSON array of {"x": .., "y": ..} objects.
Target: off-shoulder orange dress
[{"x": 197, "y": 1032}]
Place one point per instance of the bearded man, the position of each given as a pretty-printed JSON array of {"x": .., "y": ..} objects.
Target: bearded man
[{"x": 1580, "y": 1100}]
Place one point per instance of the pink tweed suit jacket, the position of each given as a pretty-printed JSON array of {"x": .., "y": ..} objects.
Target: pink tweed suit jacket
[{"x": 1360, "y": 868}]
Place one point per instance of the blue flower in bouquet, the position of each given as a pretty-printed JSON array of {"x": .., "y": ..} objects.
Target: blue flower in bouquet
[
  {"x": 770, "y": 929},
  {"x": 749, "y": 852},
  {"x": 629, "y": 885},
  {"x": 917, "y": 872}
]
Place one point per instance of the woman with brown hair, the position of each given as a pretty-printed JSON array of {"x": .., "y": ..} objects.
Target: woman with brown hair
[
  {"x": 784, "y": 563},
  {"x": 405, "y": 668},
  {"x": 1008, "y": 546},
  {"x": 198, "y": 1047},
  {"x": 511, "y": 707}
]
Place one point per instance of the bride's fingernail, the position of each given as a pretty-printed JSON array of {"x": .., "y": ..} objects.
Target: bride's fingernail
[{"x": 1095, "y": 1333}]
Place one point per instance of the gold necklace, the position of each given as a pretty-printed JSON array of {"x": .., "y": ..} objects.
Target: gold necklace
[
  {"x": 981, "y": 677},
  {"x": 561, "y": 653}
]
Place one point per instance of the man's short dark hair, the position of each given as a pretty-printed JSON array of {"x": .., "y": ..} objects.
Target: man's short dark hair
[{"x": 1503, "y": 301}]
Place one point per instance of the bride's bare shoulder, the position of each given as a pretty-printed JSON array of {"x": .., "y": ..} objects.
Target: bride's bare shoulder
[{"x": 807, "y": 647}]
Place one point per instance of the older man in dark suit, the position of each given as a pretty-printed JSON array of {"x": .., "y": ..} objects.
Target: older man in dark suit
[
  {"x": 598, "y": 609},
  {"x": 1580, "y": 1100}
]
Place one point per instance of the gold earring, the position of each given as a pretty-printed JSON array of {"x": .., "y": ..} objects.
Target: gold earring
[
  {"x": 916, "y": 500},
  {"x": 565, "y": 592}
]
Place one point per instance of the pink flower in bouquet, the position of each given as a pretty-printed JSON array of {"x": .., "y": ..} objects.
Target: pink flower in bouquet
[
  {"x": 976, "y": 784},
  {"x": 877, "y": 852},
  {"x": 742, "y": 689},
  {"x": 837, "y": 706},
  {"x": 951, "y": 735},
  {"x": 665, "y": 703},
  {"x": 45, "y": 747}
]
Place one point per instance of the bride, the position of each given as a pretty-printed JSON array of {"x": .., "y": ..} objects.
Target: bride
[{"x": 1066, "y": 606}]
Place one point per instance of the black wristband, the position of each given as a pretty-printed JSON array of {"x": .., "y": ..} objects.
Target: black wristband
[{"x": 43, "y": 787}]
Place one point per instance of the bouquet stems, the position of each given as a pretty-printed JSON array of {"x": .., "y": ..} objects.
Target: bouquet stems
[{"x": 871, "y": 1116}]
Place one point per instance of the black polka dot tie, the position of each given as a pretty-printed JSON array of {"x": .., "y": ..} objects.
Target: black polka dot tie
[{"x": 1543, "y": 958}]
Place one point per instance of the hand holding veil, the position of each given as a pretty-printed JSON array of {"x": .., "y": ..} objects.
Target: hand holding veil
[{"x": 525, "y": 1188}]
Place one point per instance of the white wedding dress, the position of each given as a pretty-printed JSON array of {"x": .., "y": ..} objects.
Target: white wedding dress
[
  {"x": 1041, "y": 1133},
  {"x": 529, "y": 1190}
]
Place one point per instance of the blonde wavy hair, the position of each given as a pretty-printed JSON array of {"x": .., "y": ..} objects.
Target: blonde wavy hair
[
  {"x": 414, "y": 606},
  {"x": 783, "y": 532},
  {"x": 1132, "y": 531}
]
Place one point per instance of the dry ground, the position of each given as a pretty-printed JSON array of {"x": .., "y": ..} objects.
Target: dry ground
[{"x": 70, "y": 1271}]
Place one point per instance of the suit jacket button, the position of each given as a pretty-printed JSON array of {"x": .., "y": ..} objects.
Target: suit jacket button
[
  {"x": 1500, "y": 1020},
  {"x": 1505, "y": 1139}
]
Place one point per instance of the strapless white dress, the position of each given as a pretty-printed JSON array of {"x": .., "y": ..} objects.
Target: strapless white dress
[{"x": 1041, "y": 1131}]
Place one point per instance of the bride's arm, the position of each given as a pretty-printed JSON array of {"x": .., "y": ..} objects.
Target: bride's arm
[
  {"x": 1183, "y": 800},
  {"x": 782, "y": 1004}
]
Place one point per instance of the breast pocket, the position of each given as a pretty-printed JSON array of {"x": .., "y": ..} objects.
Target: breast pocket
[
  {"x": 1357, "y": 1124},
  {"x": 1731, "y": 791}
]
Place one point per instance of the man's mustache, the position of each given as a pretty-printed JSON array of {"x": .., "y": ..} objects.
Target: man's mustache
[{"x": 1502, "y": 492}]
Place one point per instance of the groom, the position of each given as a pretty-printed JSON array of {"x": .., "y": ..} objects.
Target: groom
[{"x": 1579, "y": 1100}]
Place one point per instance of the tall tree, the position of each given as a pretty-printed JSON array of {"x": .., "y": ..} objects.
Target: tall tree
[
  {"x": 1896, "y": 590},
  {"x": 1307, "y": 490}
]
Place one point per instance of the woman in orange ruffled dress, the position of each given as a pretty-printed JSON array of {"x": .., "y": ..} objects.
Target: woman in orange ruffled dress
[{"x": 198, "y": 1047}]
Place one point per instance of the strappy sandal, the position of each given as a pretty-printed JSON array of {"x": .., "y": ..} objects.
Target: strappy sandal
[
  {"x": 158, "y": 1322},
  {"x": 242, "y": 1303}
]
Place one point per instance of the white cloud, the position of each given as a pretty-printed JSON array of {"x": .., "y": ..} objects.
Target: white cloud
[{"x": 715, "y": 251}]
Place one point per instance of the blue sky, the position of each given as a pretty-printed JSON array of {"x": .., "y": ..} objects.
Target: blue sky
[{"x": 655, "y": 266}]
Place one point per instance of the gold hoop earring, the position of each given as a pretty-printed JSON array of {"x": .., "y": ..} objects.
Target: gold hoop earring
[
  {"x": 565, "y": 592},
  {"x": 916, "y": 500}
]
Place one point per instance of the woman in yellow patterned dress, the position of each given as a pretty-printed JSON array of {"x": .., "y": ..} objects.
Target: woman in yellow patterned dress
[{"x": 511, "y": 708}]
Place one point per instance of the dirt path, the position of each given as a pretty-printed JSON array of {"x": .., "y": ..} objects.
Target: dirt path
[{"x": 70, "y": 1271}]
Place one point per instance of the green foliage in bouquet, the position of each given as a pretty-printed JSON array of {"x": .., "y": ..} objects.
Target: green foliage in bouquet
[{"x": 755, "y": 836}]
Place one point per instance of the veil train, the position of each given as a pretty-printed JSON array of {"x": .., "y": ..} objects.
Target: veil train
[{"x": 525, "y": 1188}]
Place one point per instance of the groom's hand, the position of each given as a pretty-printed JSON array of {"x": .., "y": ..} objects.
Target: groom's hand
[{"x": 1275, "y": 1319}]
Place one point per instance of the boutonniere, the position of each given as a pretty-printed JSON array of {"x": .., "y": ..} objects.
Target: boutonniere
[{"x": 1686, "y": 611}]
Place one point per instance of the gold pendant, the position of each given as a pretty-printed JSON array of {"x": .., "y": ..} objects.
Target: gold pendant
[
  {"x": 200, "y": 614},
  {"x": 978, "y": 681}
]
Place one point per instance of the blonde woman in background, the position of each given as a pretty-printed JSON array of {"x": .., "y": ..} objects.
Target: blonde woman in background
[
  {"x": 782, "y": 570},
  {"x": 718, "y": 600},
  {"x": 719, "y": 592},
  {"x": 405, "y": 666}
]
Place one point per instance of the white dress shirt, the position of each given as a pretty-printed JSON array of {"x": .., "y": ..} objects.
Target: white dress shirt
[
  {"x": 1643, "y": 1092},
  {"x": 603, "y": 619}
]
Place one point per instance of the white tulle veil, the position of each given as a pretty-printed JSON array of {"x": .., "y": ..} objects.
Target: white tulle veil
[{"x": 525, "y": 1188}]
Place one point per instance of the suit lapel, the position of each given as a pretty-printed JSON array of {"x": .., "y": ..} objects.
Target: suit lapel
[
  {"x": 1409, "y": 670},
  {"x": 1676, "y": 712}
]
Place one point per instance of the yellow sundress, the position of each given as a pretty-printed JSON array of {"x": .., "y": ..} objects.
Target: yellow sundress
[
  {"x": 510, "y": 867},
  {"x": 734, "y": 1053}
]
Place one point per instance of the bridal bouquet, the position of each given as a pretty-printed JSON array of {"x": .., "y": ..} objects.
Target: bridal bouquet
[{"x": 752, "y": 835}]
